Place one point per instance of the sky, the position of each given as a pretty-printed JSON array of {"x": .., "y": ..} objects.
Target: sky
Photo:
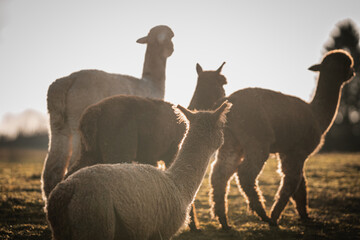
[{"x": 268, "y": 44}]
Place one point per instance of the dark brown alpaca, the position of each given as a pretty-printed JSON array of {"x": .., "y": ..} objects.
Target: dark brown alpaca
[
  {"x": 262, "y": 122},
  {"x": 129, "y": 128},
  {"x": 136, "y": 129}
]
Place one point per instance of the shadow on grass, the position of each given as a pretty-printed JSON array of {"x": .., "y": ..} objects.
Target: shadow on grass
[{"x": 247, "y": 232}]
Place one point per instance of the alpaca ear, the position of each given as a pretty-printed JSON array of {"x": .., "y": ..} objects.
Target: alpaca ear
[
  {"x": 220, "y": 112},
  {"x": 199, "y": 69},
  {"x": 142, "y": 40},
  {"x": 220, "y": 68},
  {"x": 187, "y": 113},
  {"x": 315, "y": 68}
]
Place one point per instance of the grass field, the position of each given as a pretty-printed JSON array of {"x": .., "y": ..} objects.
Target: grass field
[{"x": 334, "y": 202}]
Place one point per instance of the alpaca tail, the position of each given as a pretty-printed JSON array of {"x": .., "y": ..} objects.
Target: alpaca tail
[
  {"x": 88, "y": 128},
  {"x": 57, "y": 210},
  {"x": 56, "y": 100},
  {"x": 60, "y": 136}
]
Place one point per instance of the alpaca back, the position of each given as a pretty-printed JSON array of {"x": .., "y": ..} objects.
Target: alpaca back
[
  {"x": 133, "y": 129},
  {"x": 110, "y": 84},
  {"x": 278, "y": 116}
]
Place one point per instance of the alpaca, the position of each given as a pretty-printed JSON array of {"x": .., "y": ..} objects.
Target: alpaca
[
  {"x": 134, "y": 129},
  {"x": 262, "y": 122},
  {"x": 69, "y": 96},
  {"x": 137, "y": 201}
]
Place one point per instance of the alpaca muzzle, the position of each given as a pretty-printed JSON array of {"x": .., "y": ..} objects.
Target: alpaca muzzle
[{"x": 351, "y": 73}]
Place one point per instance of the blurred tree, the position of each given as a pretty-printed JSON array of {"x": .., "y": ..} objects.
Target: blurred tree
[{"x": 345, "y": 133}]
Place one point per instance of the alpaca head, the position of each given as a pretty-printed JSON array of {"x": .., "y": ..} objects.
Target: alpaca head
[
  {"x": 338, "y": 64},
  {"x": 209, "y": 88},
  {"x": 160, "y": 38},
  {"x": 207, "y": 125}
]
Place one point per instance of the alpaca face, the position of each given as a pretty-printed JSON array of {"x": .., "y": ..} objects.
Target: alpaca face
[
  {"x": 209, "y": 125},
  {"x": 168, "y": 48},
  {"x": 160, "y": 37},
  {"x": 209, "y": 88},
  {"x": 339, "y": 64}
]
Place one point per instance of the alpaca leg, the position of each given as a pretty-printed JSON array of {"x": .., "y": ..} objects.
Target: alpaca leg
[
  {"x": 75, "y": 153},
  {"x": 292, "y": 168},
  {"x": 56, "y": 160},
  {"x": 300, "y": 198},
  {"x": 248, "y": 173},
  {"x": 221, "y": 171},
  {"x": 194, "y": 223}
]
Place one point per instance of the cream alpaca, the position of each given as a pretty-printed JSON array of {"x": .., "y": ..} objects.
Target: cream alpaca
[
  {"x": 262, "y": 122},
  {"x": 136, "y": 201},
  {"x": 69, "y": 96}
]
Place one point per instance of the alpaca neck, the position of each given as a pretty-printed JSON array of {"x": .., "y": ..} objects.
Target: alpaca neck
[
  {"x": 154, "y": 69},
  {"x": 326, "y": 101},
  {"x": 189, "y": 167},
  {"x": 205, "y": 98}
]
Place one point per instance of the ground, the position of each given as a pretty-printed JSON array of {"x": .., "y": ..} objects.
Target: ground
[{"x": 334, "y": 202}]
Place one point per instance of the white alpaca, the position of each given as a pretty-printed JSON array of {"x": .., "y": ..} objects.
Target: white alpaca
[
  {"x": 69, "y": 96},
  {"x": 136, "y": 201}
]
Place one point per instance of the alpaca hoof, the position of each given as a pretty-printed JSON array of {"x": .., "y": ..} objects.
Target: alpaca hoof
[
  {"x": 194, "y": 226},
  {"x": 269, "y": 221},
  {"x": 226, "y": 228},
  {"x": 195, "y": 229},
  {"x": 273, "y": 223}
]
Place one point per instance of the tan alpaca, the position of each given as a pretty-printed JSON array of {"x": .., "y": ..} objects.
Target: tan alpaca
[
  {"x": 137, "y": 201},
  {"x": 129, "y": 128},
  {"x": 69, "y": 96},
  {"x": 262, "y": 122}
]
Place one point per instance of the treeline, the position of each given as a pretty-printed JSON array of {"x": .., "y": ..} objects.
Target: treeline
[
  {"x": 339, "y": 139},
  {"x": 344, "y": 135},
  {"x": 36, "y": 141}
]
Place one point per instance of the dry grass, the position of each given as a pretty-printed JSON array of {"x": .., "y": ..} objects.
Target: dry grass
[{"x": 334, "y": 199}]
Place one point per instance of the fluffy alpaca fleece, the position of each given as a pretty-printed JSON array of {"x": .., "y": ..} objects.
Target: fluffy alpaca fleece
[
  {"x": 137, "y": 201},
  {"x": 69, "y": 96},
  {"x": 262, "y": 122},
  {"x": 129, "y": 128}
]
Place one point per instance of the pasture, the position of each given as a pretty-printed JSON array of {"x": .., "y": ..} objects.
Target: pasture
[{"x": 334, "y": 201}]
